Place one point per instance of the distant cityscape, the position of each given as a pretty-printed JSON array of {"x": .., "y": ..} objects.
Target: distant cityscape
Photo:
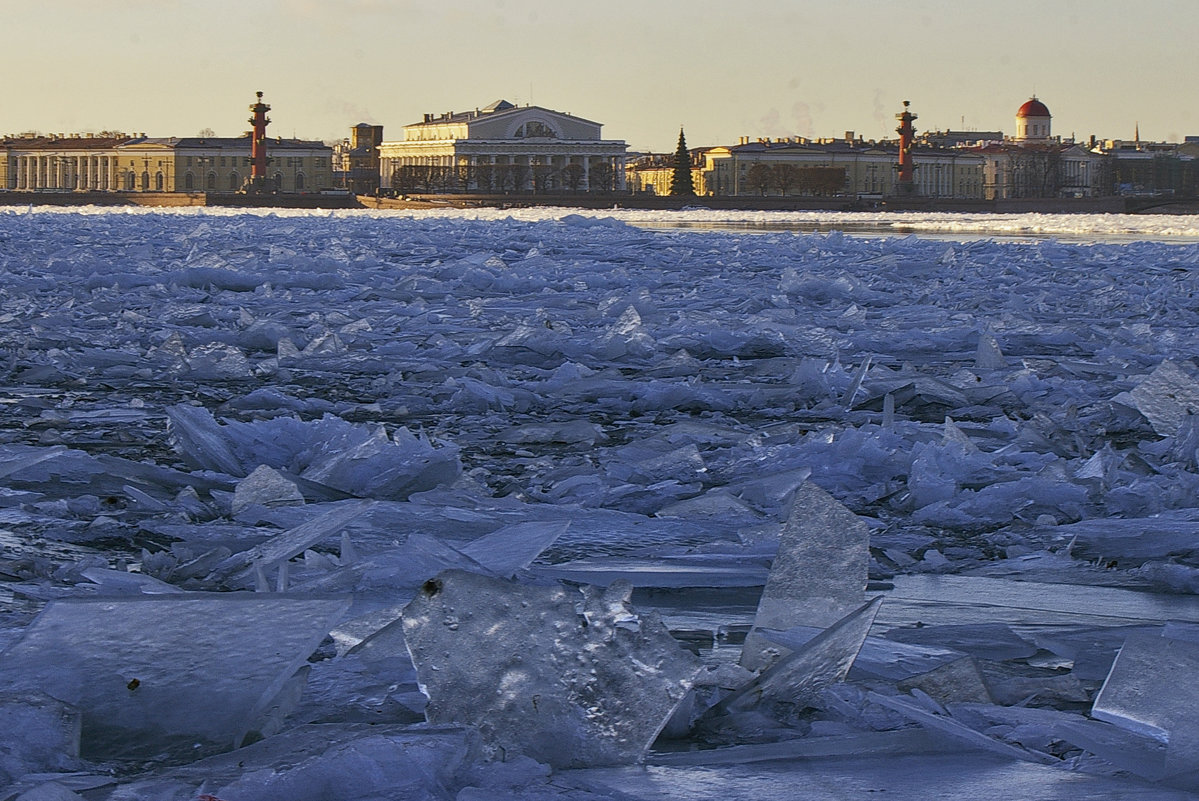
[{"x": 503, "y": 148}]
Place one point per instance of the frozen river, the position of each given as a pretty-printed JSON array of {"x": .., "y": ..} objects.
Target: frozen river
[{"x": 289, "y": 423}]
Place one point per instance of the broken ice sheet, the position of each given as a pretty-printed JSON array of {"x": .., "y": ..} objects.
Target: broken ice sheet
[
  {"x": 182, "y": 674},
  {"x": 955, "y": 729},
  {"x": 1165, "y": 397},
  {"x": 819, "y": 574},
  {"x": 284, "y": 546},
  {"x": 49, "y": 735},
  {"x": 569, "y": 677},
  {"x": 513, "y": 548},
  {"x": 318, "y": 762},
  {"x": 879, "y": 657},
  {"x": 795, "y": 679},
  {"x": 1153, "y": 691}
]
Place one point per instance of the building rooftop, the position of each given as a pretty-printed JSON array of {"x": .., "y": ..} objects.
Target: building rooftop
[{"x": 1033, "y": 108}]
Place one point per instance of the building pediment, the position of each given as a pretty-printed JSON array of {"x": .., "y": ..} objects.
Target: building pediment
[{"x": 531, "y": 122}]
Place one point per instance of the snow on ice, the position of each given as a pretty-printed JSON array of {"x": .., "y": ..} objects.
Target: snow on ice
[{"x": 709, "y": 512}]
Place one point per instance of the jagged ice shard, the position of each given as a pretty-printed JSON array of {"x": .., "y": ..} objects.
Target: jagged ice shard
[
  {"x": 818, "y": 576},
  {"x": 184, "y": 674},
  {"x": 796, "y": 678},
  {"x": 569, "y": 677}
]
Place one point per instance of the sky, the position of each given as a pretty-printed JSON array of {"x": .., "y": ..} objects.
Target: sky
[{"x": 642, "y": 68}]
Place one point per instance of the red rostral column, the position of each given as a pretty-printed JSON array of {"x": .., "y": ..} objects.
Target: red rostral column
[
  {"x": 907, "y": 135},
  {"x": 258, "y": 143}
]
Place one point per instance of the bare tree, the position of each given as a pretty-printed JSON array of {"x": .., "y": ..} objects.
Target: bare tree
[
  {"x": 759, "y": 178},
  {"x": 485, "y": 177},
  {"x": 465, "y": 174},
  {"x": 572, "y": 176},
  {"x": 820, "y": 181},
  {"x": 404, "y": 178},
  {"x": 602, "y": 177},
  {"x": 520, "y": 175},
  {"x": 783, "y": 177},
  {"x": 543, "y": 177}
]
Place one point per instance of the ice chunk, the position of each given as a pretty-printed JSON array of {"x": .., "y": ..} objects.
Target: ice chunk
[
  {"x": 266, "y": 486},
  {"x": 182, "y": 674},
  {"x": 989, "y": 356},
  {"x": 15, "y": 462},
  {"x": 984, "y": 640},
  {"x": 513, "y": 548},
  {"x": 201, "y": 440},
  {"x": 1142, "y": 756},
  {"x": 795, "y": 679},
  {"x": 49, "y": 735},
  {"x": 955, "y": 729},
  {"x": 1153, "y": 691},
  {"x": 571, "y": 678},
  {"x": 956, "y": 681},
  {"x": 874, "y": 743},
  {"x": 1165, "y": 397},
  {"x": 819, "y": 574},
  {"x": 49, "y": 791},
  {"x": 293, "y": 541},
  {"x": 318, "y": 762},
  {"x": 879, "y": 657}
]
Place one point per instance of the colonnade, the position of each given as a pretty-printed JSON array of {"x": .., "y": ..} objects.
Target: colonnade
[
  {"x": 70, "y": 172},
  {"x": 529, "y": 161}
]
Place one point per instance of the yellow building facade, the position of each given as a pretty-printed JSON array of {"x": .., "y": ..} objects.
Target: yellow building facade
[
  {"x": 146, "y": 164},
  {"x": 836, "y": 168}
]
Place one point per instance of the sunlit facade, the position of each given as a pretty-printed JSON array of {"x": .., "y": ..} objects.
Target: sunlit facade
[
  {"x": 120, "y": 163},
  {"x": 503, "y": 148}
]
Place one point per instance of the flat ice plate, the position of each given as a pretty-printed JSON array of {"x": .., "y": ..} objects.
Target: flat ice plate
[{"x": 161, "y": 673}]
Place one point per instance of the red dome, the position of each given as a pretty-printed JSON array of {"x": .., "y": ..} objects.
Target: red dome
[{"x": 1033, "y": 108}]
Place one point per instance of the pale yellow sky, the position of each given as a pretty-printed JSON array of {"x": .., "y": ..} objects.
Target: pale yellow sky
[{"x": 721, "y": 69}]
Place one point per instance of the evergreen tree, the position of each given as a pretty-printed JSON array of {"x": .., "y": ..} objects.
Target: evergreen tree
[{"x": 680, "y": 182}]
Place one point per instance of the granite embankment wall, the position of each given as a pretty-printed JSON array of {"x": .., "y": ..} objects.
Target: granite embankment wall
[{"x": 1099, "y": 205}]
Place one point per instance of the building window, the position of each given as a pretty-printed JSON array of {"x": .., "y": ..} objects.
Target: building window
[
  {"x": 234, "y": 181},
  {"x": 189, "y": 181}
]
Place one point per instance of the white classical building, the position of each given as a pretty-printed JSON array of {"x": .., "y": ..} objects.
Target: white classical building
[{"x": 502, "y": 148}]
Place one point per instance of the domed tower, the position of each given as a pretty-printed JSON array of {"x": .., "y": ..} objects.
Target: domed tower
[{"x": 1032, "y": 122}]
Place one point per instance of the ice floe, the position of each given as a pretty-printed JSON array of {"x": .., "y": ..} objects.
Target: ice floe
[{"x": 466, "y": 505}]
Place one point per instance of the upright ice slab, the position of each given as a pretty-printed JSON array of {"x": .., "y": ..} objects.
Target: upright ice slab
[
  {"x": 818, "y": 576},
  {"x": 183, "y": 674},
  {"x": 1153, "y": 690},
  {"x": 572, "y": 678}
]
